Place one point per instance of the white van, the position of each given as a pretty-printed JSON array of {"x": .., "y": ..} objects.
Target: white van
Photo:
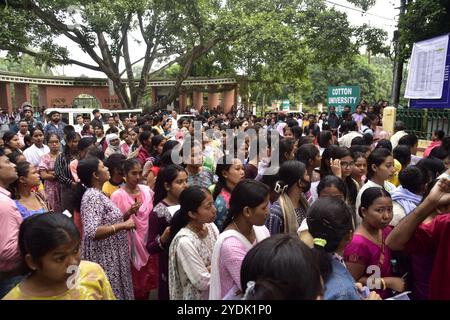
[{"x": 72, "y": 113}]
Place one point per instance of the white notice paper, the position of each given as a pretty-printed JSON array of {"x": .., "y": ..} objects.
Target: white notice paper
[{"x": 427, "y": 69}]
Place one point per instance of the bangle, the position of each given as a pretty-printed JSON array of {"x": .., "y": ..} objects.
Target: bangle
[
  {"x": 383, "y": 283},
  {"x": 114, "y": 229},
  {"x": 158, "y": 241}
]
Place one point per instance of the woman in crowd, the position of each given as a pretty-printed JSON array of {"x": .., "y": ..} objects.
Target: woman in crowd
[
  {"x": 332, "y": 186},
  {"x": 194, "y": 235},
  {"x": 11, "y": 142},
  {"x": 104, "y": 238},
  {"x": 243, "y": 227},
  {"x": 50, "y": 247},
  {"x": 329, "y": 186},
  {"x": 126, "y": 143},
  {"x": 198, "y": 175},
  {"x": 309, "y": 155},
  {"x": 281, "y": 268},
  {"x": 359, "y": 170},
  {"x": 288, "y": 212},
  {"x": 62, "y": 170},
  {"x": 367, "y": 257},
  {"x": 402, "y": 159},
  {"x": 344, "y": 170},
  {"x": 286, "y": 150},
  {"x": 115, "y": 167},
  {"x": 380, "y": 168},
  {"x": 47, "y": 173},
  {"x": 34, "y": 153},
  {"x": 85, "y": 145},
  {"x": 113, "y": 141},
  {"x": 170, "y": 182},
  {"x": 325, "y": 140},
  {"x": 28, "y": 201},
  {"x": 17, "y": 157},
  {"x": 330, "y": 223},
  {"x": 143, "y": 152},
  {"x": 229, "y": 176},
  {"x": 424, "y": 235},
  {"x": 138, "y": 199}
]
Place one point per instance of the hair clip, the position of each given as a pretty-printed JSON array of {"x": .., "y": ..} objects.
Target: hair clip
[
  {"x": 320, "y": 242},
  {"x": 67, "y": 213},
  {"x": 250, "y": 290},
  {"x": 279, "y": 189}
]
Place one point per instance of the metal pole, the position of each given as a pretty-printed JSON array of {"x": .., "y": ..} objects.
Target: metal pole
[{"x": 398, "y": 64}]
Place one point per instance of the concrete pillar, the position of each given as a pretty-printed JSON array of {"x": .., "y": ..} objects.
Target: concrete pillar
[
  {"x": 5, "y": 97},
  {"x": 154, "y": 95},
  {"x": 22, "y": 93},
  {"x": 213, "y": 98},
  {"x": 182, "y": 102},
  {"x": 228, "y": 100},
  {"x": 42, "y": 97},
  {"x": 198, "y": 99},
  {"x": 389, "y": 118}
]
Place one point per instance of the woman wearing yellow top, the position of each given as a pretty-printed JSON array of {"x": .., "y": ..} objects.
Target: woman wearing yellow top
[
  {"x": 402, "y": 159},
  {"x": 50, "y": 244},
  {"x": 114, "y": 164}
]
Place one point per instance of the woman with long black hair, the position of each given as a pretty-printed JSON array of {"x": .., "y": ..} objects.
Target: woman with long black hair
[{"x": 62, "y": 170}]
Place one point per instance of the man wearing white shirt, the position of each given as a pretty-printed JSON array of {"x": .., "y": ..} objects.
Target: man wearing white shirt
[
  {"x": 80, "y": 123},
  {"x": 399, "y": 129},
  {"x": 346, "y": 140},
  {"x": 174, "y": 121}
]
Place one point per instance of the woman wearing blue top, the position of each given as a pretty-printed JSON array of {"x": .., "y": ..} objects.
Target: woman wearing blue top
[
  {"x": 331, "y": 225},
  {"x": 29, "y": 202}
]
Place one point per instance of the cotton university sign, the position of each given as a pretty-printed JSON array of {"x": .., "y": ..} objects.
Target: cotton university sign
[{"x": 341, "y": 96}]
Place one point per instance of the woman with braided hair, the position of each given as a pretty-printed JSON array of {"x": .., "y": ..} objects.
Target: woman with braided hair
[{"x": 330, "y": 224}]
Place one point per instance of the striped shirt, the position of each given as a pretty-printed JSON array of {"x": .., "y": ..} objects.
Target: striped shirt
[{"x": 62, "y": 169}]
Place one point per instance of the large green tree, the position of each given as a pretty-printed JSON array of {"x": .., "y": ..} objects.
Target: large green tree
[
  {"x": 170, "y": 31},
  {"x": 270, "y": 42},
  {"x": 423, "y": 19}
]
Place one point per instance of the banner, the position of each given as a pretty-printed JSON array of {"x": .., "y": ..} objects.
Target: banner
[
  {"x": 427, "y": 69},
  {"x": 444, "y": 87}
]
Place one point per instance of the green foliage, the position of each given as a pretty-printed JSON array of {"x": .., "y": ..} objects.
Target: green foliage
[
  {"x": 24, "y": 64},
  {"x": 375, "y": 79},
  {"x": 273, "y": 45},
  {"x": 423, "y": 19}
]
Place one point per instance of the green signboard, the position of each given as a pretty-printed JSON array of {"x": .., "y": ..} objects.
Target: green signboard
[
  {"x": 285, "y": 105},
  {"x": 341, "y": 96}
]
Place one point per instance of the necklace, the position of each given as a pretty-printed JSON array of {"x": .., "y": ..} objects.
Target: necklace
[{"x": 234, "y": 222}]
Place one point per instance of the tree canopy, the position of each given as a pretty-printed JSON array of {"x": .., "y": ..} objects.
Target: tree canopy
[
  {"x": 423, "y": 19},
  {"x": 270, "y": 42}
]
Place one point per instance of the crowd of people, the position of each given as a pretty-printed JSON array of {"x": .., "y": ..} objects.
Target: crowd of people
[{"x": 332, "y": 208}]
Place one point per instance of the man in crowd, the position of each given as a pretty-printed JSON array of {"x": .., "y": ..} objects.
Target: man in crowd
[
  {"x": 28, "y": 116},
  {"x": 80, "y": 123},
  {"x": 55, "y": 125},
  {"x": 334, "y": 120},
  {"x": 97, "y": 121}
]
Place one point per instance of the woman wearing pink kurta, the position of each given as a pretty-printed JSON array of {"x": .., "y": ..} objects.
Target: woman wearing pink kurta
[{"x": 138, "y": 199}]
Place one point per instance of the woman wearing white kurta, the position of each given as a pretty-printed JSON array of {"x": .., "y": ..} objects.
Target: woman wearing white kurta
[
  {"x": 194, "y": 236},
  {"x": 34, "y": 153}
]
